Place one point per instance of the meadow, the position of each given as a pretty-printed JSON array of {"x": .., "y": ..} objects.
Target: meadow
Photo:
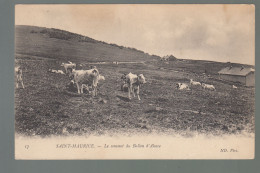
[{"x": 49, "y": 105}]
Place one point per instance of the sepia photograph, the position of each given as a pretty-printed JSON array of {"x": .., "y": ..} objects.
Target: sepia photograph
[{"x": 134, "y": 81}]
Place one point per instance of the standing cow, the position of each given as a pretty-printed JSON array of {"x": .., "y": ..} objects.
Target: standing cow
[
  {"x": 85, "y": 78},
  {"x": 134, "y": 82},
  {"x": 19, "y": 76},
  {"x": 69, "y": 66}
]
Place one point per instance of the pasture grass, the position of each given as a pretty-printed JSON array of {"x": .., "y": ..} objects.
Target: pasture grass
[{"x": 47, "y": 107}]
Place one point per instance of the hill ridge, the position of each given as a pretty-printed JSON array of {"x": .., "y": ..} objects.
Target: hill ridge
[{"x": 60, "y": 34}]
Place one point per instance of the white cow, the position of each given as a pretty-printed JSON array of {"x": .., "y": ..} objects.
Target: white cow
[
  {"x": 85, "y": 78},
  {"x": 182, "y": 86},
  {"x": 19, "y": 76},
  {"x": 60, "y": 71},
  {"x": 194, "y": 82},
  {"x": 100, "y": 77},
  {"x": 90, "y": 85},
  {"x": 69, "y": 66},
  {"x": 207, "y": 86},
  {"x": 52, "y": 71},
  {"x": 134, "y": 81},
  {"x": 56, "y": 71}
]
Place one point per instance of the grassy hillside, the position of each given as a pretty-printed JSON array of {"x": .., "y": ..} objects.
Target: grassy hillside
[
  {"x": 40, "y": 42},
  {"x": 63, "y": 45}
]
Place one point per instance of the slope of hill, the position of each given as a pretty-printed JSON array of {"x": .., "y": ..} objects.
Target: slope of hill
[{"x": 62, "y": 45}]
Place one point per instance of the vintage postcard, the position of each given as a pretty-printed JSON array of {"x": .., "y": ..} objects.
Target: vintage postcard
[{"x": 134, "y": 81}]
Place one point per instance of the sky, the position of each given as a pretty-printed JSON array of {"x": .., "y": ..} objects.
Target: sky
[{"x": 224, "y": 33}]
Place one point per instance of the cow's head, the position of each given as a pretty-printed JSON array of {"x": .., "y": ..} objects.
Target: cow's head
[
  {"x": 71, "y": 76},
  {"x": 18, "y": 69},
  {"x": 178, "y": 85},
  {"x": 70, "y": 70},
  {"x": 141, "y": 79},
  {"x": 72, "y": 81},
  {"x": 123, "y": 77},
  {"x": 71, "y": 73},
  {"x": 95, "y": 71}
]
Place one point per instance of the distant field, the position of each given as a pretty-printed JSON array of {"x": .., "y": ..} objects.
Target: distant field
[{"x": 47, "y": 106}]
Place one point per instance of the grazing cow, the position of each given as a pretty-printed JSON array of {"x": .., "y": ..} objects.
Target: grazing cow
[
  {"x": 56, "y": 71},
  {"x": 134, "y": 81},
  {"x": 52, "y": 71},
  {"x": 85, "y": 78},
  {"x": 69, "y": 66},
  {"x": 19, "y": 76},
  {"x": 207, "y": 86},
  {"x": 100, "y": 77},
  {"x": 60, "y": 71},
  {"x": 89, "y": 85},
  {"x": 182, "y": 86},
  {"x": 194, "y": 82}
]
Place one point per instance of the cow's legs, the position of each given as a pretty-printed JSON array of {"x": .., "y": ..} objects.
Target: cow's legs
[
  {"x": 95, "y": 91},
  {"x": 22, "y": 83},
  {"x": 133, "y": 91},
  {"x": 129, "y": 91},
  {"x": 137, "y": 92},
  {"x": 87, "y": 88},
  {"x": 82, "y": 86},
  {"x": 78, "y": 88},
  {"x": 17, "y": 82}
]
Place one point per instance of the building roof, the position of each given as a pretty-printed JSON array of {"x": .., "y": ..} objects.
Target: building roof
[
  {"x": 239, "y": 71},
  {"x": 168, "y": 57}
]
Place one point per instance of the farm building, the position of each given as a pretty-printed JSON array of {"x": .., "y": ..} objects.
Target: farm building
[
  {"x": 245, "y": 76},
  {"x": 168, "y": 58}
]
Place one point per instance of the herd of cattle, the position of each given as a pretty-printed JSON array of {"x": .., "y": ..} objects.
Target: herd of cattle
[
  {"x": 185, "y": 86},
  {"x": 89, "y": 79}
]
